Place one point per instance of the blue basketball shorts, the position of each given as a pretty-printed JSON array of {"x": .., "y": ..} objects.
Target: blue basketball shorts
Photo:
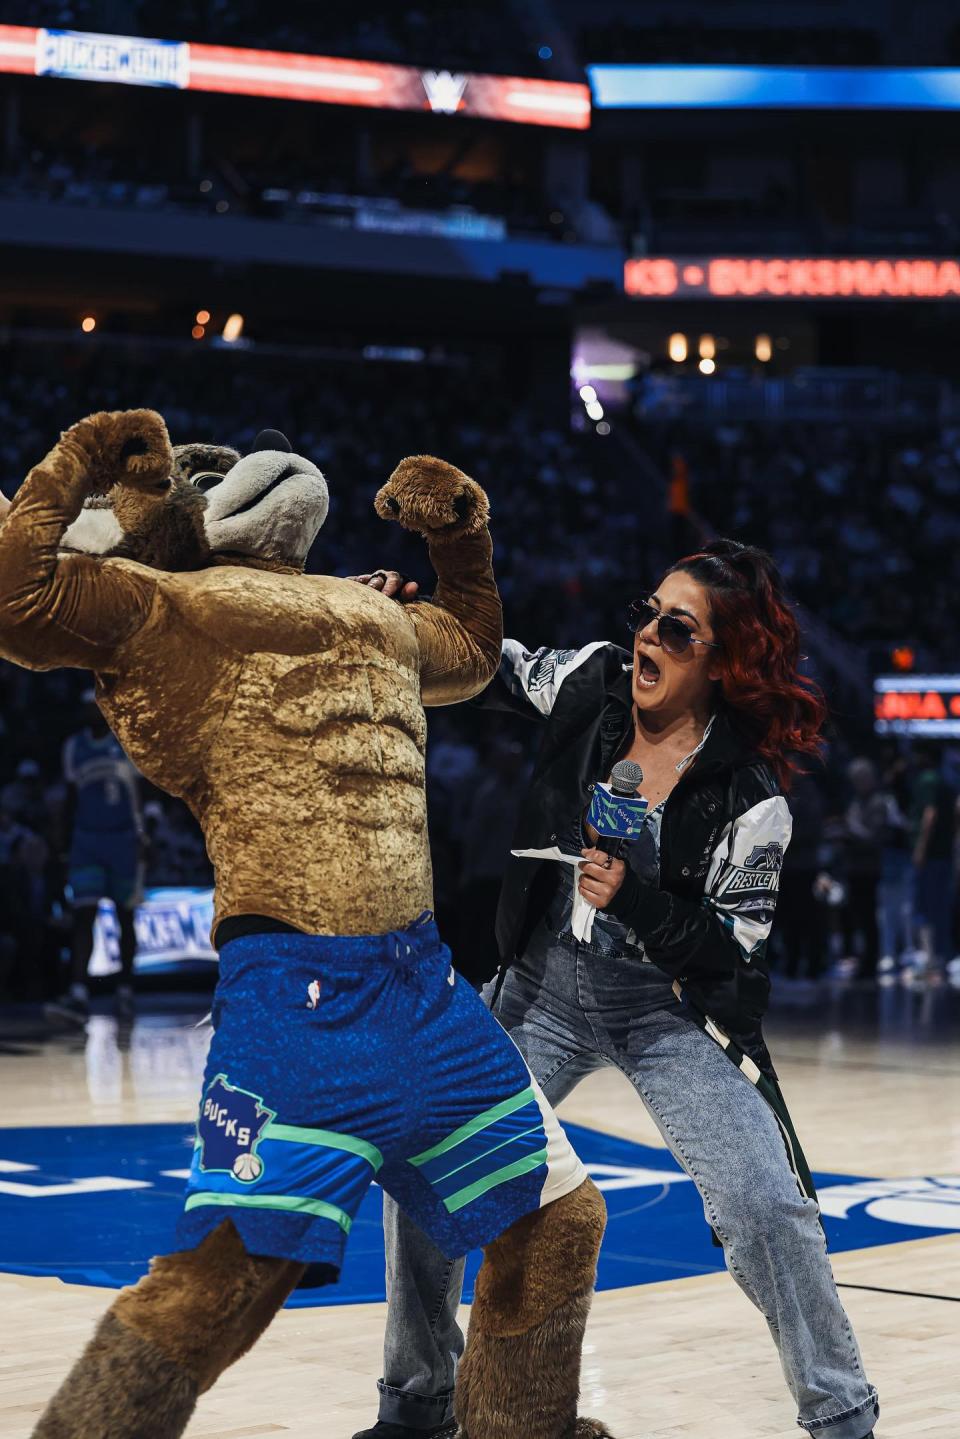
[
  {"x": 337, "y": 1061},
  {"x": 105, "y": 866}
]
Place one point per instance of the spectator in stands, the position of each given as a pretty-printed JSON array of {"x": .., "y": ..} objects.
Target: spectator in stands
[
  {"x": 175, "y": 848},
  {"x": 933, "y": 826},
  {"x": 105, "y": 854},
  {"x": 12, "y": 836},
  {"x": 24, "y": 904},
  {"x": 802, "y": 935},
  {"x": 866, "y": 824},
  {"x": 895, "y": 893},
  {"x": 25, "y": 797}
]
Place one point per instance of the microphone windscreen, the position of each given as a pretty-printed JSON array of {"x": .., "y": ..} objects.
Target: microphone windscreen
[{"x": 626, "y": 777}]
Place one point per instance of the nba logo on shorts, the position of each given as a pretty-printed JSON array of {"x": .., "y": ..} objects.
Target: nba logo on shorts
[{"x": 313, "y": 994}]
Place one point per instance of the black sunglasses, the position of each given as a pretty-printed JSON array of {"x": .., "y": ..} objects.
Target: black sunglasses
[{"x": 672, "y": 633}]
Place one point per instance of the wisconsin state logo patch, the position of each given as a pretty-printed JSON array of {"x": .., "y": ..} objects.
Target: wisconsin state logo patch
[{"x": 229, "y": 1129}]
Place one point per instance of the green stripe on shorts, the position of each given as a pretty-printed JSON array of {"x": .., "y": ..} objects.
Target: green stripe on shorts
[
  {"x": 289, "y": 1203},
  {"x": 325, "y": 1139},
  {"x": 487, "y": 1152},
  {"x": 473, "y": 1126},
  {"x": 491, "y": 1181}
]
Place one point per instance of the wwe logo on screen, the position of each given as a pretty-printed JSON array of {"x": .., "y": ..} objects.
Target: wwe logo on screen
[{"x": 444, "y": 90}]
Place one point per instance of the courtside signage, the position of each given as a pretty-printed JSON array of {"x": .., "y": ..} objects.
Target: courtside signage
[
  {"x": 917, "y": 704},
  {"x": 275, "y": 74},
  {"x": 790, "y": 277},
  {"x": 173, "y": 933}
]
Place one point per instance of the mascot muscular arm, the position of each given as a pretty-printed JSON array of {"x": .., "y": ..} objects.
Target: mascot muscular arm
[
  {"x": 60, "y": 609},
  {"x": 460, "y": 633}
]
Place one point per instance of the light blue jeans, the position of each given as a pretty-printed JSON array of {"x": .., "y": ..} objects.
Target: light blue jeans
[{"x": 573, "y": 1008}]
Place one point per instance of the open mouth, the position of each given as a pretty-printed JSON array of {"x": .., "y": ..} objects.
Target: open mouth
[
  {"x": 262, "y": 495},
  {"x": 648, "y": 672}
]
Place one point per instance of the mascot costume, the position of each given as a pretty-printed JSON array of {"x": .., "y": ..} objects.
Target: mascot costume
[{"x": 287, "y": 711}]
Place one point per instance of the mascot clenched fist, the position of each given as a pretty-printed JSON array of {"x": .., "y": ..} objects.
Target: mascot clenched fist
[{"x": 287, "y": 711}]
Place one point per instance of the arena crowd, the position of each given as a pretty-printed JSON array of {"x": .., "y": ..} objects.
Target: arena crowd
[{"x": 579, "y": 532}]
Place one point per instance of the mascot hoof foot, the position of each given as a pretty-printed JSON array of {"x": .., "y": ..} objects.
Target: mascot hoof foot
[
  {"x": 434, "y": 499},
  {"x": 125, "y": 447}
]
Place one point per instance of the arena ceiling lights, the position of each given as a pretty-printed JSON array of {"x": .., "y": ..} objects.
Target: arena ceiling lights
[
  {"x": 790, "y": 277},
  {"x": 772, "y": 87},
  {"x": 327, "y": 80}
]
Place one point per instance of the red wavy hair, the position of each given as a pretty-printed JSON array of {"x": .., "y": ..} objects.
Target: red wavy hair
[{"x": 779, "y": 710}]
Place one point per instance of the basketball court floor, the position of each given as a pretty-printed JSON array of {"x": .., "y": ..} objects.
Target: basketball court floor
[{"x": 96, "y": 1137}]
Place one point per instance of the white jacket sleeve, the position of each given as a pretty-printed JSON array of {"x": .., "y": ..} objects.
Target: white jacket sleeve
[{"x": 744, "y": 876}]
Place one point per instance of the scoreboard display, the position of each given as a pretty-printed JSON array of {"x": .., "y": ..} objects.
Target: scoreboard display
[{"x": 917, "y": 704}]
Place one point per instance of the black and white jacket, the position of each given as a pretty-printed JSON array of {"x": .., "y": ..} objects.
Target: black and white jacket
[{"x": 724, "y": 831}]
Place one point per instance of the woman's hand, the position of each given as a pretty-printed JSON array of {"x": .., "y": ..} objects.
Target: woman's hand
[
  {"x": 390, "y": 583},
  {"x": 600, "y": 877}
]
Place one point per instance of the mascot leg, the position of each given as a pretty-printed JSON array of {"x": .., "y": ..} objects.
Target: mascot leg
[
  {"x": 520, "y": 1375},
  {"x": 168, "y": 1339}
]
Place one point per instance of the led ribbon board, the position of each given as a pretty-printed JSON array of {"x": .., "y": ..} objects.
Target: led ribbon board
[
  {"x": 790, "y": 277},
  {"x": 917, "y": 704},
  {"x": 772, "y": 87},
  {"x": 328, "y": 80}
]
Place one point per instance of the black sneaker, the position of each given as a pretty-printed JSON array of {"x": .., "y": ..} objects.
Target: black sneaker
[
  {"x": 382, "y": 1430},
  {"x": 68, "y": 1009}
]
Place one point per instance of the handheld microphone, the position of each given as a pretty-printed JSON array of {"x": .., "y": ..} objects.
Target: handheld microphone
[{"x": 625, "y": 780}]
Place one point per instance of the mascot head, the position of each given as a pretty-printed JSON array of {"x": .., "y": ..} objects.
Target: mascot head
[
  {"x": 162, "y": 530},
  {"x": 268, "y": 507}
]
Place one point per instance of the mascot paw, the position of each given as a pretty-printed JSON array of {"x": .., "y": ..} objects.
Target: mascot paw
[
  {"x": 591, "y": 1429},
  {"x": 433, "y": 498},
  {"x": 125, "y": 447}
]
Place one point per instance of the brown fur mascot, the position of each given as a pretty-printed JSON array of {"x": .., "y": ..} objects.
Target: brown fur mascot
[{"x": 287, "y": 711}]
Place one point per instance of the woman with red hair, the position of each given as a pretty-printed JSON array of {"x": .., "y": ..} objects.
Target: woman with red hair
[{"x": 667, "y": 981}]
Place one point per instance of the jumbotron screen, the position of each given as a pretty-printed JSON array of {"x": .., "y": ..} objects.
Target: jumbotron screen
[
  {"x": 324, "y": 79},
  {"x": 917, "y": 704}
]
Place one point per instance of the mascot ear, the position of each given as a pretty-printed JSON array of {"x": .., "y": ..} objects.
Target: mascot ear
[
  {"x": 195, "y": 459},
  {"x": 272, "y": 440}
]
